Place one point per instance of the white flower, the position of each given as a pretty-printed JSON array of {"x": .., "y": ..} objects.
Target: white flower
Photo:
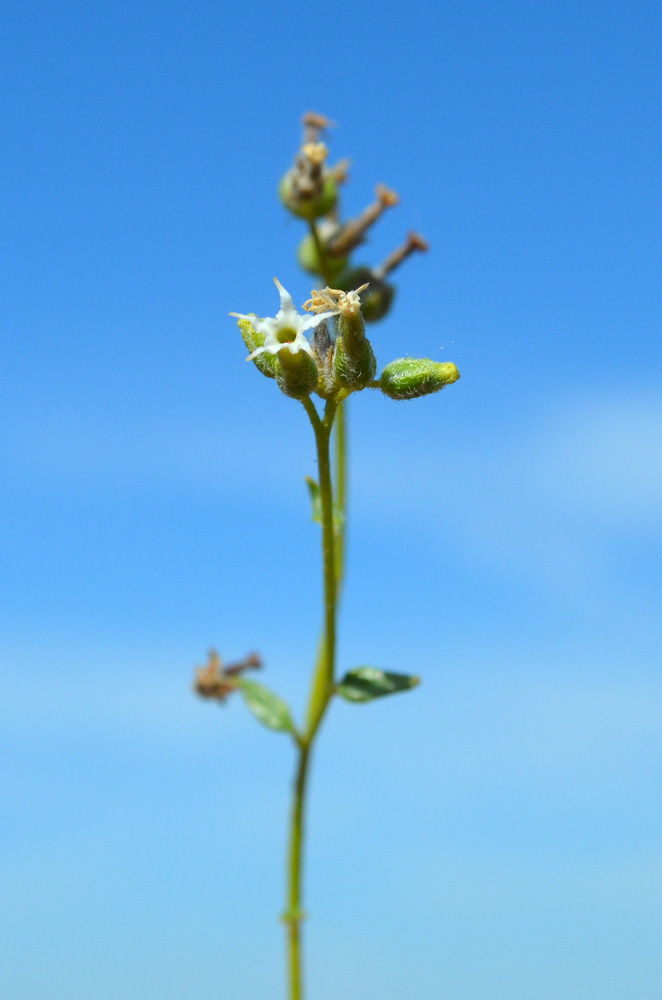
[{"x": 286, "y": 329}]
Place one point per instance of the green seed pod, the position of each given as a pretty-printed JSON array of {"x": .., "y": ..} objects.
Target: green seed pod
[
  {"x": 296, "y": 374},
  {"x": 377, "y": 300},
  {"x": 266, "y": 363},
  {"x": 354, "y": 360},
  {"x": 313, "y": 206},
  {"x": 409, "y": 378},
  {"x": 354, "y": 363},
  {"x": 309, "y": 258}
]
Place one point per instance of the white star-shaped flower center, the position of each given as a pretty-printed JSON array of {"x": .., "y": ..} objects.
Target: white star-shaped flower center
[{"x": 287, "y": 329}]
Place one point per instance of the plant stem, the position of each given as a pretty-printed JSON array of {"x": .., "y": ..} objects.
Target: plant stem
[
  {"x": 341, "y": 489},
  {"x": 321, "y": 693},
  {"x": 341, "y": 448},
  {"x": 294, "y": 915},
  {"x": 320, "y": 248}
]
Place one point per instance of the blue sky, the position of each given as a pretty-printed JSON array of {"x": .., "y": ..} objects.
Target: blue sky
[{"x": 497, "y": 833}]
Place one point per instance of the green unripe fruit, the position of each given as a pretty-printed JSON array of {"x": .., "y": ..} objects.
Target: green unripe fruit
[
  {"x": 313, "y": 207},
  {"x": 377, "y": 300},
  {"x": 296, "y": 374},
  {"x": 355, "y": 368},
  {"x": 354, "y": 360},
  {"x": 266, "y": 363},
  {"x": 409, "y": 378},
  {"x": 378, "y": 297},
  {"x": 310, "y": 260}
]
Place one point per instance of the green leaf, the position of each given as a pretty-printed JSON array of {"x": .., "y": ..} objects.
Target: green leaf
[
  {"x": 367, "y": 683},
  {"x": 316, "y": 502},
  {"x": 315, "y": 499},
  {"x": 266, "y": 706}
]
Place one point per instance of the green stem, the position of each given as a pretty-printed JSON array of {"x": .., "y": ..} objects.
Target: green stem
[
  {"x": 320, "y": 249},
  {"x": 333, "y": 539},
  {"x": 321, "y": 693},
  {"x": 340, "y": 450},
  {"x": 341, "y": 489},
  {"x": 294, "y": 916}
]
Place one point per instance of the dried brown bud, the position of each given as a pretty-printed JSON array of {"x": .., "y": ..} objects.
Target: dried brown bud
[
  {"x": 213, "y": 681},
  {"x": 413, "y": 242},
  {"x": 313, "y": 125},
  {"x": 353, "y": 232}
]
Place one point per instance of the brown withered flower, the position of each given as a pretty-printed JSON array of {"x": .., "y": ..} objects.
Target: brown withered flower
[{"x": 215, "y": 681}]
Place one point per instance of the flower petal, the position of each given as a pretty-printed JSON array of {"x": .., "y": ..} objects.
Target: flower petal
[
  {"x": 310, "y": 322},
  {"x": 286, "y": 301},
  {"x": 254, "y": 354}
]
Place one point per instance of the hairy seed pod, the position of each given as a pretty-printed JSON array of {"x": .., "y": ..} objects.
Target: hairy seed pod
[
  {"x": 297, "y": 374},
  {"x": 409, "y": 378},
  {"x": 354, "y": 360}
]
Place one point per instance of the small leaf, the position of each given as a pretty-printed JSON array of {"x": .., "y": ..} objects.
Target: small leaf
[
  {"x": 366, "y": 683},
  {"x": 315, "y": 499},
  {"x": 266, "y": 706},
  {"x": 316, "y": 502}
]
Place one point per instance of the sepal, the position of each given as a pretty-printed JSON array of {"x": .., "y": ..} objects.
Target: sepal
[{"x": 266, "y": 363}]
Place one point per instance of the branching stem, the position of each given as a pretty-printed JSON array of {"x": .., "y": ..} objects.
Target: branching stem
[
  {"x": 320, "y": 695},
  {"x": 333, "y": 544}
]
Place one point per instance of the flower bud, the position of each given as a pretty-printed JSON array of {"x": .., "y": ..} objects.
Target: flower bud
[
  {"x": 354, "y": 360},
  {"x": 266, "y": 363},
  {"x": 377, "y": 300},
  {"x": 408, "y": 378},
  {"x": 305, "y": 203},
  {"x": 296, "y": 374},
  {"x": 354, "y": 363},
  {"x": 310, "y": 259}
]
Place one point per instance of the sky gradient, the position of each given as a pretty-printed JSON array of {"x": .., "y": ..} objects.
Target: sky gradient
[{"x": 497, "y": 833}]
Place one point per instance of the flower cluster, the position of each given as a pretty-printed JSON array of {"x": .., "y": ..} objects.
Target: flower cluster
[
  {"x": 339, "y": 359},
  {"x": 286, "y": 331}
]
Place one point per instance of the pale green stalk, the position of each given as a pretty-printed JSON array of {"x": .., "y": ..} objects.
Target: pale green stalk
[
  {"x": 341, "y": 488},
  {"x": 354, "y": 367},
  {"x": 321, "y": 693},
  {"x": 341, "y": 437},
  {"x": 333, "y": 545}
]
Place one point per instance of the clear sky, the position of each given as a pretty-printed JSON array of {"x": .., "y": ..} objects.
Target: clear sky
[{"x": 497, "y": 833}]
